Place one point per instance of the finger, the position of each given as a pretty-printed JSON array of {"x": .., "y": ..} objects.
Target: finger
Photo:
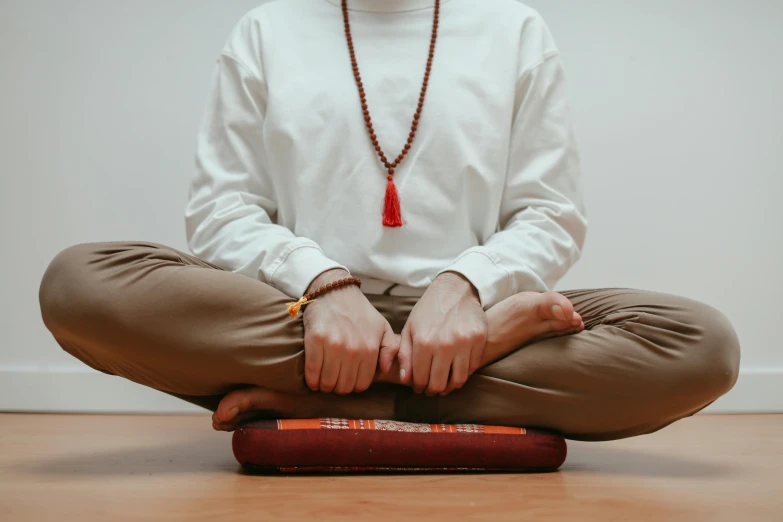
[
  {"x": 477, "y": 353},
  {"x": 405, "y": 356},
  {"x": 349, "y": 370},
  {"x": 439, "y": 374},
  {"x": 330, "y": 371},
  {"x": 422, "y": 365},
  {"x": 314, "y": 360},
  {"x": 365, "y": 375},
  {"x": 368, "y": 366},
  {"x": 459, "y": 373},
  {"x": 390, "y": 347}
]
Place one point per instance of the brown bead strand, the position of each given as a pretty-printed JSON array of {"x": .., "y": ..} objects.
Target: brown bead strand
[
  {"x": 295, "y": 307},
  {"x": 334, "y": 285},
  {"x": 391, "y": 166}
]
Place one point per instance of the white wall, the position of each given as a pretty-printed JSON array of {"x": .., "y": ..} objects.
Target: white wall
[{"x": 679, "y": 112}]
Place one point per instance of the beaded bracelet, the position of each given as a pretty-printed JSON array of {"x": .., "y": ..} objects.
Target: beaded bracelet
[{"x": 294, "y": 308}]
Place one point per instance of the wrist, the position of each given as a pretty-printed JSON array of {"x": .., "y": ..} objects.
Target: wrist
[
  {"x": 327, "y": 277},
  {"x": 458, "y": 282}
]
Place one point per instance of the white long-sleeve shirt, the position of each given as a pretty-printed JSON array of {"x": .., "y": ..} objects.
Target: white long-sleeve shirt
[{"x": 288, "y": 184}]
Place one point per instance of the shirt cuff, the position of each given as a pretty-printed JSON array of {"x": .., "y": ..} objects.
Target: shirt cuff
[
  {"x": 493, "y": 283},
  {"x": 299, "y": 268}
]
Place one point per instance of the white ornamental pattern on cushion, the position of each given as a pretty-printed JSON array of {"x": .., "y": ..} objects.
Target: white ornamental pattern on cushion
[
  {"x": 334, "y": 424},
  {"x": 387, "y": 425},
  {"x": 406, "y": 427},
  {"x": 469, "y": 428}
]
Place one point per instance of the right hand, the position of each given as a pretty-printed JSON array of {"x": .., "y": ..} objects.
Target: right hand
[{"x": 343, "y": 335}]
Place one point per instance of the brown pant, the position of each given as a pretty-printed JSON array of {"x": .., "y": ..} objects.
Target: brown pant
[{"x": 175, "y": 323}]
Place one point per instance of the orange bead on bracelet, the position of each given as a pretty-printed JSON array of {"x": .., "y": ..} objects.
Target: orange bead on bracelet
[{"x": 294, "y": 308}]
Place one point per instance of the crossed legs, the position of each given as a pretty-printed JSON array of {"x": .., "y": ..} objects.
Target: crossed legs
[{"x": 170, "y": 321}]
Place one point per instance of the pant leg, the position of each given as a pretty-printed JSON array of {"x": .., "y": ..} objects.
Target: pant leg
[
  {"x": 644, "y": 361},
  {"x": 170, "y": 321}
]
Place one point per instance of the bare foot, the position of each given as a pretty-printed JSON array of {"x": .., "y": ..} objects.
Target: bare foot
[
  {"x": 247, "y": 404},
  {"x": 250, "y": 403},
  {"x": 528, "y": 317},
  {"x": 515, "y": 322}
]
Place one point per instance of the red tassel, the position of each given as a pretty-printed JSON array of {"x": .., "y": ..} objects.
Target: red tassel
[{"x": 392, "y": 216}]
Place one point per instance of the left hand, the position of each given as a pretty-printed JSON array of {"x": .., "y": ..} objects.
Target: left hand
[{"x": 443, "y": 339}]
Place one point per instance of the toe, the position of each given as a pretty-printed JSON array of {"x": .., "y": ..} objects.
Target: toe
[
  {"x": 245, "y": 417},
  {"x": 230, "y": 406},
  {"x": 552, "y": 329},
  {"x": 556, "y": 328},
  {"x": 238, "y": 404},
  {"x": 555, "y": 307},
  {"x": 224, "y": 427},
  {"x": 218, "y": 426}
]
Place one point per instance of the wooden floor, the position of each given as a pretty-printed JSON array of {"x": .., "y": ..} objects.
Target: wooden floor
[{"x": 115, "y": 468}]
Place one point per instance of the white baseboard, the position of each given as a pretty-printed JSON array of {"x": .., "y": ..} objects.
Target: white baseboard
[
  {"x": 81, "y": 390},
  {"x": 757, "y": 391}
]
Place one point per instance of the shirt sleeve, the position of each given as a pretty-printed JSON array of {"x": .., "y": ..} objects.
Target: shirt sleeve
[
  {"x": 542, "y": 223},
  {"x": 232, "y": 205}
]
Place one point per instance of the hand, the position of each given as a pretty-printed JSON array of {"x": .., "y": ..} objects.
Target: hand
[
  {"x": 443, "y": 340},
  {"x": 343, "y": 335}
]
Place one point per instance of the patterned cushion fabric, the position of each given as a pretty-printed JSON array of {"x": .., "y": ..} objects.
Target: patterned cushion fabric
[{"x": 339, "y": 445}]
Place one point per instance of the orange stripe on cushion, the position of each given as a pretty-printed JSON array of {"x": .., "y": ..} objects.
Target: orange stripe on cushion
[
  {"x": 299, "y": 424},
  {"x": 504, "y": 430}
]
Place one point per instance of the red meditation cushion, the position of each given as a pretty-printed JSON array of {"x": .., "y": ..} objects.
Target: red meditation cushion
[{"x": 339, "y": 445}]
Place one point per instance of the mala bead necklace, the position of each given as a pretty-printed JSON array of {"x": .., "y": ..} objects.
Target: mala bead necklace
[{"x": 392, "y": 215}]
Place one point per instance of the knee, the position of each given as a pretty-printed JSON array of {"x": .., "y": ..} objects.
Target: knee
[
  {"x": 715, "y": 360},
  {"x": 698, "y": 356},
  {"x": 696, "y": 361},
  {"x": 66, "y": 292},
  {"x": 722, "y": 347}
]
